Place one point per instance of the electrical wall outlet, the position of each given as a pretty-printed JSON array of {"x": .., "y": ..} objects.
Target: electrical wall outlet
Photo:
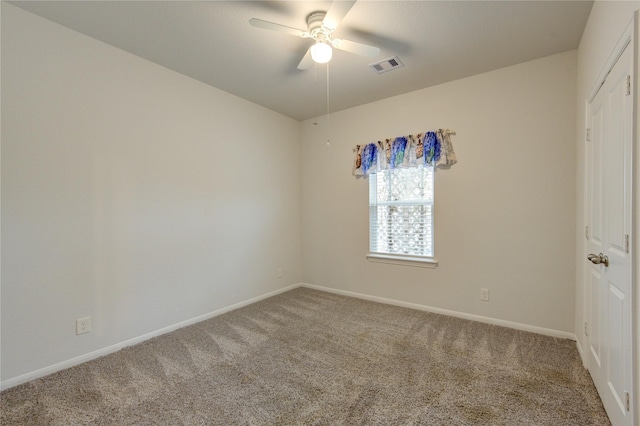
[
  {"x": 484, "y": 294},
  {"x": 279, "y": 273},
  {"x": 83, "y": 325}
]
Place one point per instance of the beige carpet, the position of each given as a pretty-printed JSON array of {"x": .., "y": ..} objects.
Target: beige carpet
[{"x": 309, "y": 357}]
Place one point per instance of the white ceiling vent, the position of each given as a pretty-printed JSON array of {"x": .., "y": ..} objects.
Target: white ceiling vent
[{"x": 387, "y": 65}]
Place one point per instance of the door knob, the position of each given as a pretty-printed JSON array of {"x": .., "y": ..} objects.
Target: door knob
[{"x": 598, "y": 259}]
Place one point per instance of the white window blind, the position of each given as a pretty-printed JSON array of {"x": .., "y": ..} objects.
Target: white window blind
[{"x": 401, "y": 212}]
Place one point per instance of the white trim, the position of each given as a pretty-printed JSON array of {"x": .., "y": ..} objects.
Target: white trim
[
  {"x": 630, "y": 35},
  {"x": 625, "y": 39},
  {"x": 580, "y": 261},
  {"x": 623, "y": 42},
  {"x": 583, "y": 356},
  {"x": 635, "y": 224},
  {"x": 420, "y": 262},
  {"x": 6, "y": 384},
  {"x": 463, "y": 315},
  {"x": 118, "y": 346}
]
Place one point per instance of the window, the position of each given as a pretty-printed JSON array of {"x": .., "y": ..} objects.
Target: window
[{"x": 401, "y": 214}]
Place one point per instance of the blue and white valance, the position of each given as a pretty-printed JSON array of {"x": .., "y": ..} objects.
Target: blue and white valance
[{"x": 428, "y": 148}]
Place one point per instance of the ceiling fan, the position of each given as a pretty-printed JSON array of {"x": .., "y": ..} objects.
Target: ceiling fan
[{"x": 320, "y": 27}]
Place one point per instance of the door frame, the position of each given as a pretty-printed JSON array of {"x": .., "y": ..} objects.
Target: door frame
[
  {"x": 635, "y": 218},
  {"x": 630, "y": 37}
]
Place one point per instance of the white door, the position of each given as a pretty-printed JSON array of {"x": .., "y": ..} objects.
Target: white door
[{"x": 609, "y": 230}]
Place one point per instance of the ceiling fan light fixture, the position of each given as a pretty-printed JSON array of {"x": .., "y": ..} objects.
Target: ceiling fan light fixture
[{"x": 321, "y": 52}]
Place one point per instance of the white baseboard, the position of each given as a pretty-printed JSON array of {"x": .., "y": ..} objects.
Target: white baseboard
[
  {"x": 582, "y": 354},
  {"x": 472, "y": 317},
  {"x": 6, "y": 384}
]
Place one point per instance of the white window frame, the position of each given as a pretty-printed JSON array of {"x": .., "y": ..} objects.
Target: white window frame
[{"x": 395, "y": 258}]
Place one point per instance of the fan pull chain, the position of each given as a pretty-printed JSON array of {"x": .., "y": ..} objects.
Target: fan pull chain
[
  {"x": 315, "y": 98},
  {"x": 328, "y": 124}
]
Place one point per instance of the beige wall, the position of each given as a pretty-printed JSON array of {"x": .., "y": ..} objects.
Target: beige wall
[
  {"x": 131, "y": 194},
  {"x": 504, "y": 216}
]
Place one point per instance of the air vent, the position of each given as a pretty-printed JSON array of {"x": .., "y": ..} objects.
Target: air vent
[{"x": 387, "y": 65}]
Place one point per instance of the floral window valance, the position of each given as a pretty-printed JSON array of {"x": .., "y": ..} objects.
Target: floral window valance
[{"x": 427, "y": 148}]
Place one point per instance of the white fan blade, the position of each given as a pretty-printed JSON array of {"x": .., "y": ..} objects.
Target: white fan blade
[
  {"x": 337, "y": 11},
  {"x": 357, "y": 48},
  {"x": 306, "y": 61},
  {"x": 259, "y": 23}
]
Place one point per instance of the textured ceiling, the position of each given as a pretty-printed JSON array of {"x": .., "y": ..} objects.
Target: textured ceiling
[{"x": 213, "y": 42}]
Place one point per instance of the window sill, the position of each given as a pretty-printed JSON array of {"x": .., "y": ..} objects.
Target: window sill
[{"x": 420, "y": 262}]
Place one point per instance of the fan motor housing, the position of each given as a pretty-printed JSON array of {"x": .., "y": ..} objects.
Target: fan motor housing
[{"x": 314, "y": 20}]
